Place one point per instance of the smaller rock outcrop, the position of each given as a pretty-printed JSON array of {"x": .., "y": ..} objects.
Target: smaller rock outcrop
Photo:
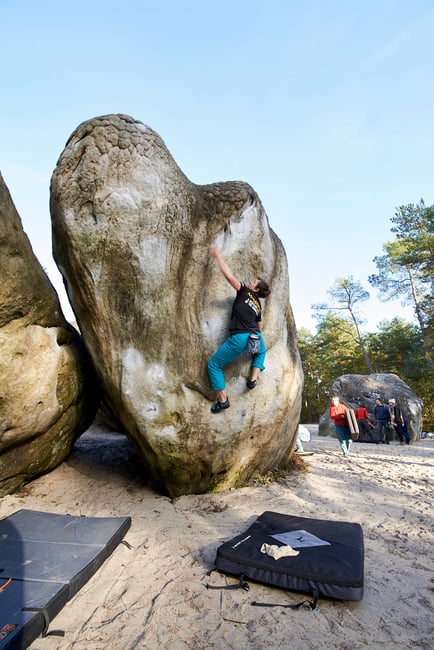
[
  {"x": 363, "y": 390},
  {"x": 47, "y": 396}
]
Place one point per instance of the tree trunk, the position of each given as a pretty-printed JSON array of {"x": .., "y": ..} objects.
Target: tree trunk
[{"x": 361, "y": 344}]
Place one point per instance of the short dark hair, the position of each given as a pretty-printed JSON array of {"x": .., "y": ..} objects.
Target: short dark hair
[{"x": 263, "y": 290}]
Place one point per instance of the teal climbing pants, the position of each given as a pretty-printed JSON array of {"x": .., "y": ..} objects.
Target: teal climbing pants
[{"x": 232, "y": 348}]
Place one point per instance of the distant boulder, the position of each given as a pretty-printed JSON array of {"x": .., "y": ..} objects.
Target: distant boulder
[
  {"x": 131, "y": 237},
  {"x": 46, "y": 398},
  {"x": 363, "y": 390}
]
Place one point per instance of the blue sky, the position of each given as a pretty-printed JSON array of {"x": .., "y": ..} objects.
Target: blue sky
[{"x": 323, "y": 106}]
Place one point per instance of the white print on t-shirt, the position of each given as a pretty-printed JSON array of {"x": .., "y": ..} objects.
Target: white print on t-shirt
[{"x": 252, "y": 304}]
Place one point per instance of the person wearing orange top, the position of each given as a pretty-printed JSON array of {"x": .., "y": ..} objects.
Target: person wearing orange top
[
  {"x": 337, "y": 413},
  {"x": 362, "y": 417}
]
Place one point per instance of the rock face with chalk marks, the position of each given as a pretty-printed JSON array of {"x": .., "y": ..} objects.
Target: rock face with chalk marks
[{"x": 131, "y": 236}]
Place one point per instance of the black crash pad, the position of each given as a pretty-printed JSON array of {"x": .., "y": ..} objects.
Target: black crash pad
[
  {"x": 331, "y": 564},
  {"x": 45, "y": 559}
]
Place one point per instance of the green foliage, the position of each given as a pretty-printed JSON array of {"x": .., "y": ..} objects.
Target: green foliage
[
  {"x": 346, "y": 294},
  {"x": 394, "y": 279},
  {"x": 398, "y": 347},
  {"x": 414, "y": 228},
  {"x": 406, "y": 270},
  {"x": 330, "y": 353},
  {"x": 315, "y": 391}
]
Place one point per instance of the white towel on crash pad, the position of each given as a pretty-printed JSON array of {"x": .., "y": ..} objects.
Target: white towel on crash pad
[{"x": 278, "y": 551}]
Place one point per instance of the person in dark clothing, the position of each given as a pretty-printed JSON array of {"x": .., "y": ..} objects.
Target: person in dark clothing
[
  {"x": 382, "y": 419},
  {"x": 362, "y": 417},
  {"x": 398, "y": 422},
  {"x": 246, "y": 319}
]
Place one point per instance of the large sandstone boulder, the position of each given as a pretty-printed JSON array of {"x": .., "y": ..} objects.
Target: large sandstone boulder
[
  {"x": 131, "y": 237},
  {"x": 363, "y": 390},
  {"x": 45, "y": 401}
]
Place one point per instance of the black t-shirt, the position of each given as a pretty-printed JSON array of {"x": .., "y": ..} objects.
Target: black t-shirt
[{"x": 246, "y": 311}]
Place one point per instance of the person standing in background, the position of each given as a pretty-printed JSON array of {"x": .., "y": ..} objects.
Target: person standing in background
[
  {"x": 398, "y": 423},
  {"x": 382, "y": 419},
  {"x": 362, "y": 417},
  {"x": 337, "y": 413}
]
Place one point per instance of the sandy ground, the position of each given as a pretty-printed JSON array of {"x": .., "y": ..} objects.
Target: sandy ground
[{"x": 153, "y": 595}]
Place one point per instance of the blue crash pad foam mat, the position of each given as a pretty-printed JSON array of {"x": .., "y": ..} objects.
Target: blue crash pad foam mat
[{"x": 45, "y": 559}]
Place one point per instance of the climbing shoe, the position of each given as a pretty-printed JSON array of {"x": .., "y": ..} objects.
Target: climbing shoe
[
  {"x": 220, "y": 406},
  {"x": 251, "y": 384}
]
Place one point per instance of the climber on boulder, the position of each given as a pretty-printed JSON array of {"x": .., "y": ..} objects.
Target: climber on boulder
[{"x": 246, "y": 320}]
